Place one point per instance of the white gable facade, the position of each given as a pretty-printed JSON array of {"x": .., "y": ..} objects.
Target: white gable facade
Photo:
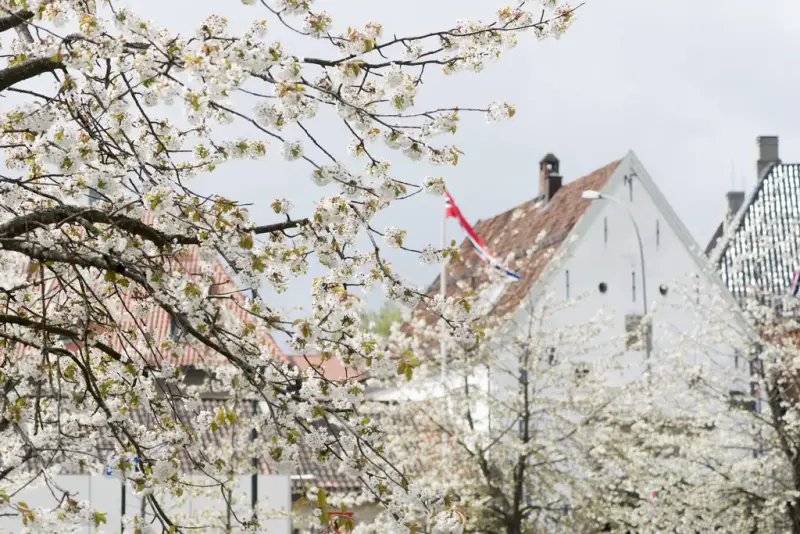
[{"x": 600, "y": 265}]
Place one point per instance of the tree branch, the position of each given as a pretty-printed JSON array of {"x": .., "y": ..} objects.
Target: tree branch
[
  {"x": 14, "y": 19},
  {"x": 27, "y": 70},
  {"x": 279, "y": 227},
  {"x": 24, "y": 224}
]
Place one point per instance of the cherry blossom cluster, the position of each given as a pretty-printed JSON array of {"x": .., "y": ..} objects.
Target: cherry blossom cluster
[{"x": 102, "y": 230}]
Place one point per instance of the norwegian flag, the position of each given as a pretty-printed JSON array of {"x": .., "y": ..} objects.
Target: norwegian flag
[
  {"x": 794, "y": 288},
  {"x": 451, "y": 211}
]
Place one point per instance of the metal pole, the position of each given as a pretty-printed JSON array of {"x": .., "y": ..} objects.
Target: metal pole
[
  {"x": 122, "y": 514},
  {"x": 254, "y": 463},
  {"x": 442, "y": 339},
  {"x": 644, "y": 279}
]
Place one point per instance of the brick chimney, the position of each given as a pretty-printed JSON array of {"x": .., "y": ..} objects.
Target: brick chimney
[
  {"x": 767, "y": 152},
  {"x": 549, "y": 178}
]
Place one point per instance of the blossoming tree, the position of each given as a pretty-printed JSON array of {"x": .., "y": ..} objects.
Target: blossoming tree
[
  {"x": 707, "y": 442},
  {"x": 508, "y": 437},
  {"x": 88, "y": 89},
  {"x": 553, "y": 442}
]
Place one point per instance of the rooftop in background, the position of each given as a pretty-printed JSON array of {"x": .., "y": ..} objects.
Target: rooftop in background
[
  {"x": 513, "y": 233},
  {"x": 160, "y": 325},
  {"x": 332, "y": 368},
  {"x": 758, "y": 245},
  {"x": 311, "y": 469}
]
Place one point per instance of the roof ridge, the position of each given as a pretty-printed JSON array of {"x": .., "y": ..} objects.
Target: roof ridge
[
  {"x": 539, "y": 196},
  {"x": 504, "y": 234}
]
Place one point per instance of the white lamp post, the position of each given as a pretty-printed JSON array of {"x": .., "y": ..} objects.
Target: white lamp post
[{"x": 596, "y": 195}]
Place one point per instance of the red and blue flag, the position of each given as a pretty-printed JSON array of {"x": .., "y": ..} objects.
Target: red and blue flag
[{"x": 452, "y": 211}]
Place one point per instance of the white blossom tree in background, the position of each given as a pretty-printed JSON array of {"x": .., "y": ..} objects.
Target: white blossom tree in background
[
  {"x": 708, "y": 442},
  {"x": 752, "y": 453},
  {"x": 90, "y": 91},
  {"x": 558, "y": 443},
  {"x": 509, "y": 441}
]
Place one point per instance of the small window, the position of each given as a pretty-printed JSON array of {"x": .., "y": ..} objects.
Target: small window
[
  {"x": 581, "y": 370},
  {"x": 567, "y": 273},
  {"x": 738, "y": 401},
  {"x": 637, "y": 333}
]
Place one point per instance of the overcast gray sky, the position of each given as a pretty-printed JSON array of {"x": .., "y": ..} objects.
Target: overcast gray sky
[{"x": 686, "y": 84}]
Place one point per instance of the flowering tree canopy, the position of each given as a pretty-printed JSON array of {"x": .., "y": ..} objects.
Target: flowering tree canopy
[
  {"x": 508, "y": 437},
  {"x": 535, "y": 432},
  {"x": 100, "y": 227}
]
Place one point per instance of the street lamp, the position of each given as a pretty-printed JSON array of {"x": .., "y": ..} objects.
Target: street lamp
[{"x": 596, "y": 195}]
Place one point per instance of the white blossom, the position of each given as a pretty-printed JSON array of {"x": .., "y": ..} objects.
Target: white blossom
[{"x": 434, "y": 185}]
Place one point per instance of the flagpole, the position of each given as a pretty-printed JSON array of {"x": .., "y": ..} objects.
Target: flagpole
[{"x": 443, "y": 333}]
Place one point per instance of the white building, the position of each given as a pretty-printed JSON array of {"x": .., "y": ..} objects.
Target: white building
[
  {"x": 569, "y": 246},
  {"x": 607, "y": 243}
]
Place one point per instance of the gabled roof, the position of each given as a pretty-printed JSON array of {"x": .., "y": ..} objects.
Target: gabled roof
[
  {"x": 715, "y": 238},
  {"x": 513, "y": 234},
  {"x": 762, "y": 244}
]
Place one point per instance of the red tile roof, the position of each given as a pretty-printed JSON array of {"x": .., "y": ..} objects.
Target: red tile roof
[
  {"x": 513, "y": 234},
  {"x": 330, "y": 368},
  {"x": 157, "y": 322}
]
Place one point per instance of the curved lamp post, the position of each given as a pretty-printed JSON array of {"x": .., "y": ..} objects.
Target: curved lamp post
[{"x": 596, "y": 195}]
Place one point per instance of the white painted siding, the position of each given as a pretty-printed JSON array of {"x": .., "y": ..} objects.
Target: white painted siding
[{"x": 606, "y": 250}]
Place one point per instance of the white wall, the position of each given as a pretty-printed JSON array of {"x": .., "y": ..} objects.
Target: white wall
[
  {"x": 615, "y": 260},
  {"x": 105, "y": 495}
]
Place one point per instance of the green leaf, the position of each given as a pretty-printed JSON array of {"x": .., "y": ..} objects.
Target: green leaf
[
  {"x": 246, "y": 241},
  {"x": 98, "y": 517}
]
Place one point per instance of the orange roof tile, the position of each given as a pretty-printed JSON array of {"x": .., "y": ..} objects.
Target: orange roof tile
[
  {"x": 514, "y": 232},
  {"x": 331, "y": 369}
]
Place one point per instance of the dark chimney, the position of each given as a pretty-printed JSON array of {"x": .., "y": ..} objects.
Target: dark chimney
[
  {"x": 735, "y": 201},
  {"x": 767, "y": 152},
  {"x": 549, "y": 179}
]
